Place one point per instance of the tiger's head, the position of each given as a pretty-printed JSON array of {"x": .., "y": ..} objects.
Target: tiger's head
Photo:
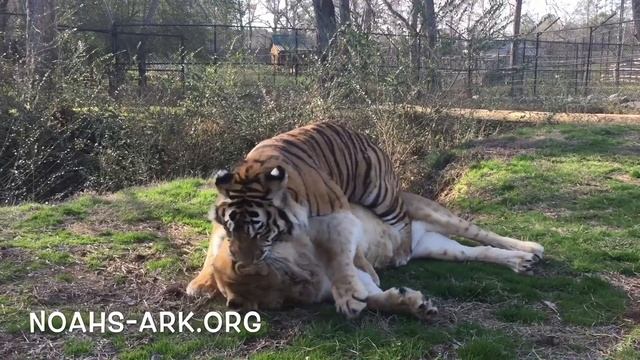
[{"x": 254, "y": 209}]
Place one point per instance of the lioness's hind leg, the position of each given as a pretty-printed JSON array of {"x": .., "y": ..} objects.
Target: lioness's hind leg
[
  {"x": 397, "y": 300},
  {"x": 335, "y": 238},
  {"x": 443, "y": 221},
  {"x": 205, "y": 282},
  {"x": 361, "y": 262},
  {"x": 427, "y": 244}
]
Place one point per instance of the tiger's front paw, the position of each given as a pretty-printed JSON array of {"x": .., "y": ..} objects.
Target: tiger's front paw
[
  {"x": 202, "y": 286},
  {"x": 350, "y": 303}
]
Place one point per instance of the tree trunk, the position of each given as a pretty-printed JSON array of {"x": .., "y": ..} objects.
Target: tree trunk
[
  {"x": 325, "y": 24},
  {"x": 4, "y": 19},
  {"x": 142, "y": 51},
  {"x": 620, "y": 41},
  {"x": 635, "y": 7},
  {"x": 41, "y": 34},
  {"x": 429, "y": 23},
  {"x": 367, "y": 19},
  {"x": 516, "y": 33},
  {"x": 345, "y": 12},
  {"x": 513, "y": 61},
  {"x": 430, "y": 30},
  {"x": 415, "y": 38}
]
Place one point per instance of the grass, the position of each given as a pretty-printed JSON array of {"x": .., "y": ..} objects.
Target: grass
[
  {"x": 76, "y": 347},
  {"x": 575, "y": 189},
  {"x": 516, "y": 313}
]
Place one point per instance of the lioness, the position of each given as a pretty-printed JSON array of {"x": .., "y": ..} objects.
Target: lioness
[{"x": 295, "y": 273}]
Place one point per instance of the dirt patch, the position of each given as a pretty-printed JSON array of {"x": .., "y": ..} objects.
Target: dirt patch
[
  {"x": 507, "y": 148},
  {"x": 538, "y": 116},
  {"x": 627, "y": 179},
  {"x": 631, "y": 286},
  {"x": 553, "y": 339}
]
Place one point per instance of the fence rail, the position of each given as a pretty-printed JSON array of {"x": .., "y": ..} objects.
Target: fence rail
[{"x": 601, "y": 59}]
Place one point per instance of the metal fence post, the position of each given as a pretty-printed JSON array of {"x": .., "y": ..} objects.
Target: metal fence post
[
  {"x": 182, "y": 61},
  {"x": 469, "y": 91},
  {"x": 632, "y": 62},
  {"x": 618, "y": 57},
  {"x": 297, "y": 58},
  {"x": 523, "y": 66},
  {"x": 114, "y": 79},
  {"x": 586, "y": 74},
  {"x": 575, "y": 90},
  {"x": 418, "y": 55},
  {"x": 215, "y": 44},
  {"x": 535, "y": 67}
]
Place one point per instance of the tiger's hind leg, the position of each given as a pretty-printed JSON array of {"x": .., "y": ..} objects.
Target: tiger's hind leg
[
  {"x": 429, "y": 244},
  {"x": 397, "y": 300},
  {"x": 443, "y": 221}
]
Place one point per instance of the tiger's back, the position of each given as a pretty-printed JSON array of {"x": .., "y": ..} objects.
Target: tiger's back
[{"x": 329, "y": 166}]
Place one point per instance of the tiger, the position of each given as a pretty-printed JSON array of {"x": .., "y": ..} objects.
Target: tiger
[{"x": 305, "y": 184}]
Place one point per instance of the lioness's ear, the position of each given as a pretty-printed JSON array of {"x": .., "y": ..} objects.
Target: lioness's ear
[
  {"x": 276, "y": 179},
  {"x": 222, "y": 179}
]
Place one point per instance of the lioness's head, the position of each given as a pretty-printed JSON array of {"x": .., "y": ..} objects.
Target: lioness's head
[{"x": 289, "y": 275}]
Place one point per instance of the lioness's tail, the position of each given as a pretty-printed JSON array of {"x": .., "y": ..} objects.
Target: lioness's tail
[{"x": 444, "y": 221}]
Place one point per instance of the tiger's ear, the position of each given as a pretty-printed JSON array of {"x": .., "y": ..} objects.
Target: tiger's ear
[
  {"x": 222, "y": 179},
  {"x": 276, "y": 179}
]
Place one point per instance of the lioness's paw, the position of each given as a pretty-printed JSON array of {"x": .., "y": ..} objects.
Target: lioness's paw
[
  {"x": 351, "y": 308},
  {"x": 415, "y": 303},
  {"x": 202, "y": 286},
  {"x": 534, "y": 248},
  {"x": 523, "y": 262},
  {"x": 350, "y": 303}
]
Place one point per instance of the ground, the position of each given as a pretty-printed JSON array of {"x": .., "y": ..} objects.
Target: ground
[{"x": 573, "y": 188}]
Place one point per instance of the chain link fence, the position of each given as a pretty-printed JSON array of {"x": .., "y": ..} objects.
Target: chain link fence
[{"x": 597, "y": 60}]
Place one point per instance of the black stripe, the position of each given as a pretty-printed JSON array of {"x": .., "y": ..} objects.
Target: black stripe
[{"x": 295, "y": 145}]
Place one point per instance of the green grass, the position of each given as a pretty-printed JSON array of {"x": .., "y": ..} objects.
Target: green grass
[
  {"x": 76, "y": 347},
  {"x": 582, "y": 299},
  {"x": 567, "y": 196},
  {"x": 573, "y": 188},
  {"x": 629, "y": 349},
  {"x": 167, "y": 264},
  {"x": 482, "y": 344},
  {"x": 523, "y": 314},
  {"x": 134, "y": 237},
  {"x": 184, "y": 202}
]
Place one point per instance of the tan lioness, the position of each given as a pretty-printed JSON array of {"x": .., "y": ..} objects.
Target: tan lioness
[{"x": 295, "y": 272}]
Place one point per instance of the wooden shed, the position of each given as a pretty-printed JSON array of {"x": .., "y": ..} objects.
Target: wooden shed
[{"x": 289, "y": 50}]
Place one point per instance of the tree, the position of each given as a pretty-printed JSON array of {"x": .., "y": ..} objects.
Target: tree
[
  {"x": 516, "y": 33},
  {"x": 142, "y": 52},
  {"x": 4, "y": 19},
  {"x": 635, "y": 8},
  {"x": 325, "y": 23},
  {"x": 620, "y": 41},
  {"x": 429, "y": 23},
  {"x": 345, "y": 12},
  {"x": 41, "y": 34},
  {"x": 513, "y": 61}
]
